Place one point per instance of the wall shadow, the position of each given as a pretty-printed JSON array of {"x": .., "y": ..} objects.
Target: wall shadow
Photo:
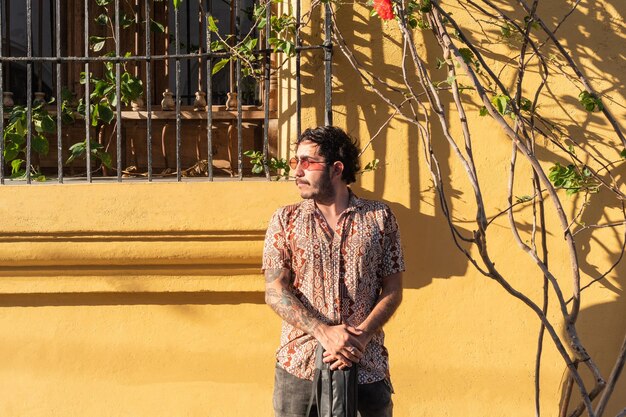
[
  {"x": 601, "y": 326},
  {"x": 364, "y": 114},
  {"x": 129, "y": 299}
]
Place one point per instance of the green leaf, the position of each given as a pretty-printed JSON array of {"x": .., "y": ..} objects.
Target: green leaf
[
  {"x": 95, "y": 113},
  {"x": 505, "y": 31},
  {"x": 102, "y": 19},
  {"x": 217, "y": 46},
  {"x": 97, "y": 43},
  {"x": 66, "y": 94},
  {"x": 131, "y": 87},
  {"x": 177, "y": 3},
  {"x": 103, "y": 2},
  {"x": 590, "y": 102},
  {"x": 623, "y": 153},
  {"x": 11, "y": 151},
  {"x": 289, "y": 48},
  {"x": 257, "y": 169},
  {"x": 483, "y": 111},
  {"x": 14, "y": 138},
  {"x": 48, "y": 124},
  {"x": 212, "y": 24},
  {"x": 67, "y": 116},
  {"x": 98, "y": 89},
  {"x": 104, "y": 157},
  {"x": 156, "y": 26},
  {"x": 40, "y": 145},
  {"x": 76, "y": 150},
  {"x": 16, "y": 164},
  {"x": 525, "y": 104},
  {"x": 571, "y": 150},
  {"x": 501, "y": 103},
  {"x": 251, "y": 44},
  {"x": 425, "y": 6},
  {"x": 105, "y": 113},
  {"x": 372, "y": 166},
  {"x": 126, "y": 20},
  {"x": 220, "y": 64},
  {"x": 19, "y": 127},
  {"x": 467, "y": 55}
]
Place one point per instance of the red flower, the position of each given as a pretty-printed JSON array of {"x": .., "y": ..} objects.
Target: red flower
[{"x": 384, "y": 9}]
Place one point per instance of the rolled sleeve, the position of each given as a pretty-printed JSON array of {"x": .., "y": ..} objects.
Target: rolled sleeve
[
  {"x": 393, "y": 258},
  {"x": 276, "y": 253}
]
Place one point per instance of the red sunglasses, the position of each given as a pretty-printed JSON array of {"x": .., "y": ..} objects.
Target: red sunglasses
[{"x": 307, "y": 164}]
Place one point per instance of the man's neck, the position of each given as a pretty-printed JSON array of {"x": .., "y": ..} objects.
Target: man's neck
[{"x": 333, "y": 208}]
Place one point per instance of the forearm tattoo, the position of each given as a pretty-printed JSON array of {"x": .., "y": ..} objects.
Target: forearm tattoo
[
  {"x": 272, "y": 275},
  {"x": 290, "y": 309}
]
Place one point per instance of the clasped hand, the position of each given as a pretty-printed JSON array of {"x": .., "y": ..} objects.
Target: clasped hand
[{"x": 343, "y": 345}]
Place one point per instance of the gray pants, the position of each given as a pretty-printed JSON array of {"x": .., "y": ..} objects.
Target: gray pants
[{"x": 292, "y": 395}]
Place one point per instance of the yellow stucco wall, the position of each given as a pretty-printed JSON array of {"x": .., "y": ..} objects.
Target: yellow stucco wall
[{"x": 146, "y": 299}]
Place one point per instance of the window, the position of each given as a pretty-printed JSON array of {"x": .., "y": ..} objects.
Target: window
[{"x": 146, "y": 135}]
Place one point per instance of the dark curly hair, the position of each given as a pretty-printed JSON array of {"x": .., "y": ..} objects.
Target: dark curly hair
[{"x": 335, "y": 145}]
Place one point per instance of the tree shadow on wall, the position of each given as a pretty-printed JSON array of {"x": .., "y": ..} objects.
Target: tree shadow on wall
[
  {"x": 601, "y": 328},
  {"x": 429, "y": 249},
  {"x": 428, "y": 254}
]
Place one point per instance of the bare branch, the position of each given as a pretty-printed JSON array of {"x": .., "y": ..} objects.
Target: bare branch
[
  {"x": 610, "y": 386},
  {"x": 575, "y": 68}
]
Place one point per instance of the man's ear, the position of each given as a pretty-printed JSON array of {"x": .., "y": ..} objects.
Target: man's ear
[{"x": 337, "y": 169}]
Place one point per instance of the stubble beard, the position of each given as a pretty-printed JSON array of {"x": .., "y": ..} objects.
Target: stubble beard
[{"x": 325, "y": 193}]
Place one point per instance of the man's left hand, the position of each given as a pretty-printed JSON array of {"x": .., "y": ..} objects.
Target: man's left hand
[{"x": 339, "y": 363}]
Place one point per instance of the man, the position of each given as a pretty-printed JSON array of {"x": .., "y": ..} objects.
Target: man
[{"x": 333, "y": 271}]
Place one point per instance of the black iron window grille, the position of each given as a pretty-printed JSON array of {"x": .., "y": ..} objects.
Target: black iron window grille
[{"x": 142, "y": 89}]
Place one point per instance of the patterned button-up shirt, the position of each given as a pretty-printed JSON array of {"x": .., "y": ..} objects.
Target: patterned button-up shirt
[{"x": 337, "y": 275}]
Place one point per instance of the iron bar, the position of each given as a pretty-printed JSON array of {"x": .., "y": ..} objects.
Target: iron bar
[
  {"x": 239, "y": 97},
  {"x": 29, "y": 89},
  {"x": 87, "y": 98},
  {"x": 188, "y": 44},
  {"x": 266, "y": 96},
  {"x": 118, "y": 92},
  {"x": 7, "y": 41},
  {"x": 298, "y": 81},
  {"x": 133, "y": 58},
  {"x": 177, "y": 47},
  {"x": 209, "y": 94},
  {"x": 328, "y": 57},
  {"x": 148, "y": 91},
  {"x": 52, "y": 37},
  {"x": 40, "y": 46},
  {"x": 2, "y": 41},
  {"x": 57, "y": 19}
]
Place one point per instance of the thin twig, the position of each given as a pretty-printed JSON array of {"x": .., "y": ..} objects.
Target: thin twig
[{"x": 380, "y": 129}]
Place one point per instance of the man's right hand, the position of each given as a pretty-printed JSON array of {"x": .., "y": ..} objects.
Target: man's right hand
[{"x": 340, "y": 343}]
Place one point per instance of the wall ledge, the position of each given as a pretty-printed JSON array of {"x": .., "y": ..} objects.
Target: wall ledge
[{"x": 136, "y": 237}]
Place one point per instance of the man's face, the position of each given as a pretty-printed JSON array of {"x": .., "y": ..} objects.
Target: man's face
[{"x": 313, "y": 182}]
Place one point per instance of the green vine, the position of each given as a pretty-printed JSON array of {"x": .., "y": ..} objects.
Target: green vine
[{"x": 279, "y": 166}]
